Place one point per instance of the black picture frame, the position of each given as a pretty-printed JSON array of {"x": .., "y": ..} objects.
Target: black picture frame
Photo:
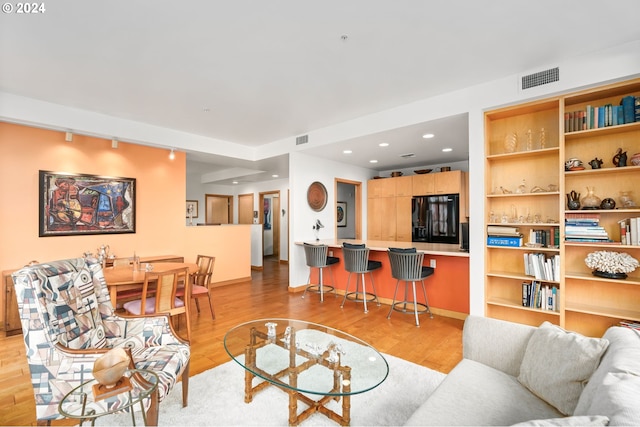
[
  {"x": 72, "y": 204},
  {"x": 341, "y": 214}
]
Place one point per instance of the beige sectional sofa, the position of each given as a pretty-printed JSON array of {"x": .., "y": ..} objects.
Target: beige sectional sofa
[{"x": 513, "y": 373}]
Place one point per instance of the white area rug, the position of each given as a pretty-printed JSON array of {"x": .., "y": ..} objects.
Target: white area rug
[{"x": 216, "y": 398}]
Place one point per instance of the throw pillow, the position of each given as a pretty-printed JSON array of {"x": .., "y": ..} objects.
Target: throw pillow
[
  {"x": 558, "y": 363},
  {"x": 584, "y": 420}
]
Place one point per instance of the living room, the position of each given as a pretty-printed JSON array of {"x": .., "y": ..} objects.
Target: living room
[{"x": 32, "y": 138}]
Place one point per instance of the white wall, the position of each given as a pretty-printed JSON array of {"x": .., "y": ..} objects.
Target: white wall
[{"x": 303, "y": 171}]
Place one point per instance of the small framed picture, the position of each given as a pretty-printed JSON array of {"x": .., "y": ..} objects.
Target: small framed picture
[
  {"x": 341, "y": 214},
  {"x": 192, "y": 209}
]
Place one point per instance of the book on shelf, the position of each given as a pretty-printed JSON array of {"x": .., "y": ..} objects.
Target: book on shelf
[
  {"x": 594, "y": 117},
  {"x": 542, "y": 266},
  {"x": 507, "y": 241},
  {"x": 630, "y": 324},
  {"x": 539, "y": 296},
  {"x": 630, "y": 231},
  {"x": 502, "y": 230}
]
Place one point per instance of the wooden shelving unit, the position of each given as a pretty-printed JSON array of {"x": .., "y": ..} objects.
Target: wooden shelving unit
[{"x": 587, "y": 304}]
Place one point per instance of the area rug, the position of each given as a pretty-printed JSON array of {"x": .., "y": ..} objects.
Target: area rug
[{"x": 216, "y": 398}]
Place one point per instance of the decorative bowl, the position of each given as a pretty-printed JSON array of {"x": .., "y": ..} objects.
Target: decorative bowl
[
  {"x": 394, "y": 174},
  {"x": 421, "y": 171},
  {"x": 635, "y": 159},
  {"x": 110, "y": 367}
]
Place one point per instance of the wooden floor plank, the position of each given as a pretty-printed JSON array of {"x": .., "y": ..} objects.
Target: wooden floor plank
[{"x": 436, "y": 344}]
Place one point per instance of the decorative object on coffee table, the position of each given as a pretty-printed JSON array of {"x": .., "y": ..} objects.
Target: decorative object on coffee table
[{"x": 611, "y": 265}]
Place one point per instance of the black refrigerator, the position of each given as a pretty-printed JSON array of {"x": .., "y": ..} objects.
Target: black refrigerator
[{"x": 436, "y": 219}]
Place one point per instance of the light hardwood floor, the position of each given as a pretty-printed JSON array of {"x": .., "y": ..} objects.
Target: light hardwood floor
[{"x": 436, "y": 344}]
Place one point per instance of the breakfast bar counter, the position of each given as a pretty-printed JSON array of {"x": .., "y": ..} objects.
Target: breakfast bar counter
[{"x": 447, "y": 289}]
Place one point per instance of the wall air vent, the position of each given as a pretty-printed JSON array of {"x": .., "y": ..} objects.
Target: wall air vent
[
  {"x": 407, "y": 156},
  {"x": 542, "y": 78},
  {"x": 302, "y": 139}
]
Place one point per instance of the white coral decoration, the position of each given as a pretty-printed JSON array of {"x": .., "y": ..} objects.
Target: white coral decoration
[{"x": 611, "y": 262}]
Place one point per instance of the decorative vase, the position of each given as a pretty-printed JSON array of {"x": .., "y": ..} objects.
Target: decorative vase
[
  {"x": 608, "y": 203},
  {"x": 573, "y": 200},
  {"x": 590, "y": 201},
  {"x": 609, "y": 275}
]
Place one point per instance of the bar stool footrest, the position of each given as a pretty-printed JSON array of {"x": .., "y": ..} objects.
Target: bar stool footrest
[
  {"x": 361, "y": 296},
  {"x": 316, "y": 289},
  {"x": 408, "y": 307}
]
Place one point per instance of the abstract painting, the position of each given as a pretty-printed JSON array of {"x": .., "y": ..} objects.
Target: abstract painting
[{"x": 75, "y": 204}]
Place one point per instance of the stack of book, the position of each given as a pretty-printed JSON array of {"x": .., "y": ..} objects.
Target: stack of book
[
  {"x": 502, "y": 235},
  {"x": 585, "y": 227},
  {"x": 630, "y": 231},
  {"x": 546, "y": 238},
  {"x": 537, "y": 295}
]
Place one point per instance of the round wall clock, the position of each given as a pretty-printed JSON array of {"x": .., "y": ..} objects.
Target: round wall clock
[{"x": 317, "y": 196}]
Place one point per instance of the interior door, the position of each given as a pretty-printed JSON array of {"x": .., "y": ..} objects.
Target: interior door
[
  {"x": 218, "y": 209},
  {"x": 245, "y": 208}
]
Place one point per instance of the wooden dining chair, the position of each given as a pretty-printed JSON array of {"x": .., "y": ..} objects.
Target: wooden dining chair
[
  {"x": 164, "y": 299},
  {"x": 121, "y": 262},
  {"x": 201, "y": 281}
]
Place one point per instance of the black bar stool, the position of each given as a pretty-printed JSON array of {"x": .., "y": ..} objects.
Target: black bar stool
[
  {"x": 356, "y": 260},
  {"x": 406, "y": 265},
  {"x": 316, "y": 256}
]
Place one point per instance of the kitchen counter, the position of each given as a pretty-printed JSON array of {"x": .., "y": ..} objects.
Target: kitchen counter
[{"x": 447, "y": 289}]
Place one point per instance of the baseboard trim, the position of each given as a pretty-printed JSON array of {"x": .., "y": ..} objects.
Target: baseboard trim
[{"x": 230, "y": 282}]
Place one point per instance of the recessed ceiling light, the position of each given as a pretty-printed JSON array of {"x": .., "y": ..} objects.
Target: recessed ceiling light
[
  {"x": 274, "y": 175},
  {"x": 428, "y": 135},
  {"x": 234, "y": 182},
  {"x": 446, "y": 150},
  {"x": 347, "y": 152},
  {"x": 384, "y": 144},
  {"x": 373, "y": 161}
]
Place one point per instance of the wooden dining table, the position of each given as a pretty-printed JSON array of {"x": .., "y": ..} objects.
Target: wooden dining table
[{"x": 122, "y": 278}]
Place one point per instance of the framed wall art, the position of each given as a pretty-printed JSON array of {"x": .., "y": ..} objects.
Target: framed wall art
[
  {"x": 341, "y": 214},
  {"x": 192, "y": 209},
  {"x": 76, "y": 204}
]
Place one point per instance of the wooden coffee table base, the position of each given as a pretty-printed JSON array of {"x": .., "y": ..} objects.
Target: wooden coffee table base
[{"x": 341, "y": 379}]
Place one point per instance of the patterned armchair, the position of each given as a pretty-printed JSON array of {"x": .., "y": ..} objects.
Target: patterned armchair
[{"x": 68, "y": 322}]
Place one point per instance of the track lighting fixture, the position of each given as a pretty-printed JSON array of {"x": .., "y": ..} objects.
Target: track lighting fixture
[
  {"x": 172, "y": 155},
  {"x": 68, "y": 137}
]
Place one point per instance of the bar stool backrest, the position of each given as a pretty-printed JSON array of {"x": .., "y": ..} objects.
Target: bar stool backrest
[
  {"x": 316, "y": 255},
  {"x": 405, "y": 265},
  {"x": 356, "y": 259}
]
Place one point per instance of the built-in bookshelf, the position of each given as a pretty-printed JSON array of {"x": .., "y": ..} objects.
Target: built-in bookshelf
[{"x": 526, "y": 186}]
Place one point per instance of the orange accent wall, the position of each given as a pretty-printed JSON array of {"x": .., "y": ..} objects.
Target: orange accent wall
[
  {"x": 447, "y": 288},
  {"x": 160, "y": 203}
]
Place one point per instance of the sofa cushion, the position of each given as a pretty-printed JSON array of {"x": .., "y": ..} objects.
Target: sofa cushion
[
  {"x": 584, "y": 420},
  {"x": 557, "y": 364},
  {"x": 621, "y": 357},
  {"x": 475, "y": 394},
  {"x": 617, "y": 398}
]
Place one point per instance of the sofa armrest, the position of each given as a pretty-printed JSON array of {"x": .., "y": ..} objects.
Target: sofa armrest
[{"x": 495, "y": 343}]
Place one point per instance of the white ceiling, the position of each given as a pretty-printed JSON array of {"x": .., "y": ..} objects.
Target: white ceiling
[{"x": 252, "y": 72}]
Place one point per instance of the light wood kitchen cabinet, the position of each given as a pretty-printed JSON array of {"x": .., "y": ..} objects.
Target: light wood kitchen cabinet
[
  {"x": 381, "y": 218},
  {"x": 448, "y": 182},
  {"x": 403, "y": 219},
  {"x": 404, "y": 186},
  {"x": 423, "y": 185},
  {"x": 383, "y": 187}
]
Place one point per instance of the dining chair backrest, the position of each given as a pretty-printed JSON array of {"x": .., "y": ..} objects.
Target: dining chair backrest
[
  {"x": 316, "y": 255},
  {"x": 121, "y": 262},
  {"x": 406, "y": 264},
  {"x": 205, "y": 270},
  {"x": 166, "y": 285}
]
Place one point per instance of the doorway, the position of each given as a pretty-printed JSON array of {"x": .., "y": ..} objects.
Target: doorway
[
  {"x": 348, "y": 209},
  {"x": 269, "y": 215},
  {"x": 219, "y": 209}
]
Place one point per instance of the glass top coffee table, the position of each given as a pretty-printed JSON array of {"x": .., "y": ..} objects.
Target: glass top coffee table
[{"x": 305, "y": 359}]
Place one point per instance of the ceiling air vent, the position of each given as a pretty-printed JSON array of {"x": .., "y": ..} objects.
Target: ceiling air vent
[
  {"x": 407, "y": 156},
  {"x": 302, "y": 139},
  {"x": 542, "y": 78}
]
